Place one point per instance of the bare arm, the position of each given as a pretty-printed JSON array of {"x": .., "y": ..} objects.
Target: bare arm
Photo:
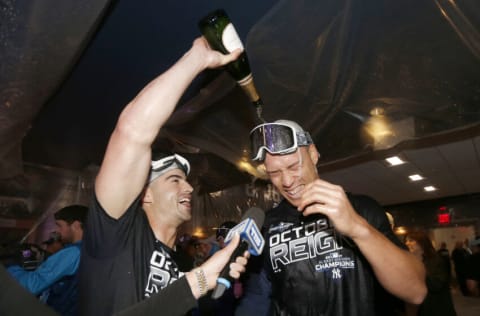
[
  {"x": 396, "y": 269},
  {"x": 126, "y": 164},
  {"x": 399, "y": 272}
]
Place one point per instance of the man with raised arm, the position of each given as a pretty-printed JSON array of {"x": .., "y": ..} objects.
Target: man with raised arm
[{"x": 140, "y": 201}]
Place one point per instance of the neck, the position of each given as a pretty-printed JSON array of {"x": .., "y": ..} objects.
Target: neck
[
  {"x": 77, "y": 237},
  {"x": 166, "y": 235},
  {"x": 163, "y": 229}
]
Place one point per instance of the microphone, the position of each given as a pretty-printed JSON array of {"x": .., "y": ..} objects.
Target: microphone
[{"x": 250, "y": 239}]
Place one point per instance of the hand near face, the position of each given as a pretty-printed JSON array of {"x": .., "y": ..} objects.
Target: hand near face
[{"x": 322, "y": 197}]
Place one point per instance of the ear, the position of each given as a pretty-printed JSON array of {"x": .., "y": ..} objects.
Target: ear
[
  {"x": 313, "y": 152},
  {"x": 147, "y": 195},
  {"x": 76, "y": 225}
]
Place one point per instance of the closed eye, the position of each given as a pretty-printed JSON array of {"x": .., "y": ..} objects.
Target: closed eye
[
  {"x": 273, "y": 173},
  {"x": 294, "y": 167}
]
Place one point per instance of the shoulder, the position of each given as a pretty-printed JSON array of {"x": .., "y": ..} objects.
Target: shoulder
[
  {"x": 374, "y": 213},
  {"x": 71, "y": 251},
  {"x": 366, "y": 205},
  {"x": 362, "y": 199}
]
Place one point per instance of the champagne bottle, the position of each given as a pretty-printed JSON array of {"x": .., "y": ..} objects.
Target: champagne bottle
[{"x": 221, "y": 35}]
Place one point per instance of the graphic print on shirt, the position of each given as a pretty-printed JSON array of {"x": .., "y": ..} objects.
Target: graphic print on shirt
[
  {"x": 315, "y": 241},
  {"x": 163, "y": 271}
]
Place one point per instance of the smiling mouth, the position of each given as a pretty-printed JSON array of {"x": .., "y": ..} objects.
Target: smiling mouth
[
  {"x": 185, "y": 202},
  {"x": 295, "y": 191}
]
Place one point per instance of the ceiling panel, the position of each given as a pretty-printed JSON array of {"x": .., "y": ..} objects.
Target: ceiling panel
[
  {"x": 470, "y": 180},
  {"x": 453, "y": 168},
  {"x": 427, "y": 160},
  {"x": 460, "y": 155}
]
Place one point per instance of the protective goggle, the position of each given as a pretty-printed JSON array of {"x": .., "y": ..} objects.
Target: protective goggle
[
  {"x": 276, "y": 138},
  {"x": 165, "y": 164}
]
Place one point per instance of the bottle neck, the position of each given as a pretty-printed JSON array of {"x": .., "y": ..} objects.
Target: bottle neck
[{"x": 249, "y": 88}]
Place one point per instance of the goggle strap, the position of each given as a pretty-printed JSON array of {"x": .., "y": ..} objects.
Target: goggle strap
[
  {"x": 159, "y": 167},
  {"x": 304, "y": 138}
]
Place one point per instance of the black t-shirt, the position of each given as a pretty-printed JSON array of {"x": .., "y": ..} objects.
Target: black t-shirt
[
  {"x": 316, "y": 271},
  {"x": 122, "y": 262}
]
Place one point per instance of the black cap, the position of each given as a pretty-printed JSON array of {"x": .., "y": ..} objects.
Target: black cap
[{"x": 72, "y": 213}]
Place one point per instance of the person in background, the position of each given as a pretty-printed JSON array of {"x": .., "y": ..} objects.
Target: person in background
[
  {"x": 186, "y": 247},
  {"x": 460, "y": 257},
  {"x": 445, "y": 255},
  {"x": 56, "y": 279},
  {"x": 439, "y": 300},
  {"x": 466, "y": 246},
  {"x": 222, "y": 232},
  {"x": 324, "y": 248},
  {"x": 140, "y": 199},
  {"x": 472, "y": 274},
  {"x": 206, "y": 248}
]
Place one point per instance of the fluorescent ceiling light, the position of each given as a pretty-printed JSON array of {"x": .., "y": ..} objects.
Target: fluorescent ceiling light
[
  {"x": 415, "y": 177},
  {"x": 430, "y": 188},
  {"x": 394, "y": 161}
]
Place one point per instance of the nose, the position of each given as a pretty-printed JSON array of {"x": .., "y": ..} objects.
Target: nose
[
  {"x": 188, "y": 187},
  {"x": 287, "y": 179}
]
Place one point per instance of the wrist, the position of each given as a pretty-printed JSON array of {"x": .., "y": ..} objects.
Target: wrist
[
  {"x": 195, "y": 59},
  {"x": 198, "y": 282},
  {"x": 362, "y": 231}
]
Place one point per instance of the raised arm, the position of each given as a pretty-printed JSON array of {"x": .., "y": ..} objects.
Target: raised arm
[{"x": 126, "y": 164}]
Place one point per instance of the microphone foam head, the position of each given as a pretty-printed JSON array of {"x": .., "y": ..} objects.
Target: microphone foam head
[{"x": 256, "y": 214}]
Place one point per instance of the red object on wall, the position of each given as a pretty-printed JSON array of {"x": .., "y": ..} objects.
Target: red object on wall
[{"x": 443, "y": 218}]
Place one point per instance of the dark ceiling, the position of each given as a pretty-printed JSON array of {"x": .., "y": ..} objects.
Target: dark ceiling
[{"x": 68, "y": 70}]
